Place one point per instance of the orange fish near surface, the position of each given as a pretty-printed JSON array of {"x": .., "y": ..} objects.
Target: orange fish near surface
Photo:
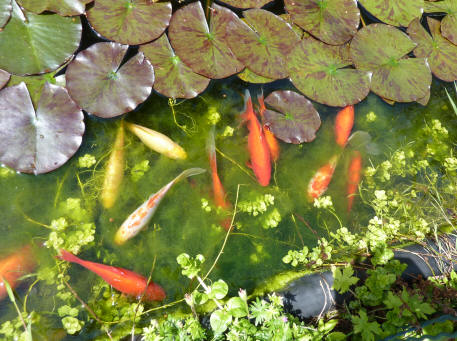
[
  {"x": 320, "y": 181},
  {"x": 272, "y": 142},
  {"x": 126, "y": 281},
  {"x": 343, "y": 124},
  {"x": 257, "y": 144},
  {"x": 354, "y": 175},
  {"x": 14, "y": 267}
]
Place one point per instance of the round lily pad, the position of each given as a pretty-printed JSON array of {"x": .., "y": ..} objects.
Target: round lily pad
[
  {"x": 449, "y": 22},
  {"x": 43, "y": 42},
  {"x": 4, "y": 78},
  {"x": 246, "y": 3},
  {"x": 35, "y": 84},
  {"x": 295, "y": 119},
  {"x": 441, "y": 54},
  {"x": 263, "y": 42},
  {"x": 101, "y": 86},
  {"x": 173, "y": 78},
  {"x": 320, "y": 72},
  {"x": 5, "y": 11},
  {"x": 38, "y": 141},
  {"x": 204, "y": 49},
  {"x": 130, "y": 22},
  {"x": 332, "y": 21},
  {"x": 382, "y": 49},
  {"x": 395, "y": 12},
  {"x": 62, "y": 7},
  {"x": 251, "y": 77}
]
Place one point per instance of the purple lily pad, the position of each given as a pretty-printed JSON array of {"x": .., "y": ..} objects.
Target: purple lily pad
[
  {"x": 62, "y": 7},
  {"x": 395, "y": 12},
  {"x": 4, "y": 78},
  {"x": 246, "y": 3},
  {"x": 130, "y": 22},
  {"x": 173, "y": 78},
  {"x": 263, "y": 42},
  {"x": 5, "y": 12},
  {"x": 295, "y": 119},
  {"x": 38, "y": 141},
  {"x": 334, "y": 22},
  {"x": 99, "y": 85},
  {"x": 204, "y": 49},
  {"x": 449, "y": 22}
]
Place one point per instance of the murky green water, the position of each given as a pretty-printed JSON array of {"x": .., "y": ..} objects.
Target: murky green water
[{"x": 253, "y": 252}]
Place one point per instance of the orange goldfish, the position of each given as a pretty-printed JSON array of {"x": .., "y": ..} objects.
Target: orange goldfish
[
  {"x": 272, "y": 143},
  {"x": 126, "y": 281},
  {"x": 15, "y": 266},
  {"x": 354, "y": 174},
  {"x": 343, "y": 124},
  {"x": 257, "y": 145},
  {"x": 143, "y": 214},
  {"x": 320, "y": 181}
]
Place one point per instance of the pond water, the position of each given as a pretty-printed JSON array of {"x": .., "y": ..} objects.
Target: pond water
[{"x": 187, "y": 220}]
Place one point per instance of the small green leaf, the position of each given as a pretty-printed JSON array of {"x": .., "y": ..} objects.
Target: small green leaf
[
  {"x": 9, "y": 290},
  {"x": 199, "y": 298},
  {"x": 367, "y": 329},
  {"x": 220, "y": 321},
  {"x": 219, "y": 290},
  {"x": 237, "y": 307},
  {"x": 343, "y": 279}
]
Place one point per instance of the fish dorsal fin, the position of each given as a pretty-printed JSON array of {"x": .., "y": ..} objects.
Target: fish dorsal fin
[{"x": 188, "y": 172}]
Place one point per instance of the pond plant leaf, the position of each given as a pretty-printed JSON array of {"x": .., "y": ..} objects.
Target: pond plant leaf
[
  {"x": 5, "y": 11},
  {"x": 38, "y": 141},
  {"x": 4, "y": 78},
  {"x": 395, "y": 12},
  {"x": 246, "y": 3},
  {"x": 251, "y": 77},
  {"x": 130, "y": 22},
  {"x": 382, "y": 49},
  {"x": 263, "y": 42},
  {"x": 204, "y": 49},
  {"x": 320, "y": 72},
  {"x": 173, "y": 78},
  {"x": 43, "y": 42},
  {"x": 295, "y": 120},
  {"x": 62, "y": 7},
  {"x": 35, "y": 84},
  {"x": 101, "y": 86},
  {"x": 449, "y": 22},
  {"x": 441, "y": 54},
  {"x": 331, "y": 21}
]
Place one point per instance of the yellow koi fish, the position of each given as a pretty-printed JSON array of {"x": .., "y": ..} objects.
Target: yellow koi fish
[{"x": 143, "y": 214}]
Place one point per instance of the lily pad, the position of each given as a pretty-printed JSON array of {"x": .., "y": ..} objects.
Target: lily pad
[
  {"x": 204, "y": 49},
  {"x": 440, "y": 52},
  {"x": 263, "y": 42},
  {"x": 4, "y": 78},
  {"x": 5, "y": 11},
  {"x": 382, "y": 49},
  {"x": 130, "y": 21},
  {"x": 173, "y": 78},
  {"x": 449, "y": 22},
  {"x": 251, "y": 77},
  {"x": 101, "y": 86},
  {"x": 62, "y": 7},
  {"x": 295, "y": 119},
  {"x": 43, "y": 42},
  {"x": 320, "y": 72},
  {"x": 35, "y": 84},
  {"x": 38, "y": 141},
  {"x": 332, "y": 21},
  {"x": 246, "y": 3},
  {"x": 395, "y": 12}
]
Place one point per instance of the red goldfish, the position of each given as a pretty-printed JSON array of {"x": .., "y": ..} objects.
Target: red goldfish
[
  {"x": 127, "y": 282},
  {"x": 343, "y": 124},
  {"x": 320, "y": 181},
  {"x": 272, "y": 143},
  {"x": 354, "y": 173},
  {"x": 257, "y": 144},
  {"x": 15, "y": 266}
]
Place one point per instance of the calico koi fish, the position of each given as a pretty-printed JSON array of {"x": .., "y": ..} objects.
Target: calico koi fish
[
  {"x": 343, "y": 124},
  {"x": 143, "y": 214},
  {"x": 272, "y": 142},
  {"x": 257, "y": 144},
  {"x": 354, "y": 175},
  {"x": 126, "y": 281},
  {"x": 321, "y": 179}
]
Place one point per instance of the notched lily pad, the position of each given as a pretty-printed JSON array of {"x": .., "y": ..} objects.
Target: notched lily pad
[
  {"x": 204, "y": 49},
  {"x": 130, "y": 21},
  {"x": 320, "y": 72},
  {"x": 62, "y": 7},
  {"x": 332, "y": 21},
  {"x": 38, "y": 141},
  {"x": 295, "y": 119},
  {"x": 246, "y": 3},
  {"x": 449, "y": 22},
  {"x": 263, "y": 42},
  {"x": 4, "y": 78},
  {"x": 251, "y": 77},
  {"x": 101, "y": 86},
  {"x": 5, "y": 12},
  {"x": 395, "y": 12},
  {"x": 173, "y": 78}
]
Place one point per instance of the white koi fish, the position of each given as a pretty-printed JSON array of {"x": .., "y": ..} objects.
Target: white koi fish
[{"x": 143, "y": 214}]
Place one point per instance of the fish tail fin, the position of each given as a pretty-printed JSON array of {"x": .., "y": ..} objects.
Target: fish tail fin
[
  {"x": 189, "y": 172},
  {"x": 248, "y": 107},
  {"x": 211, "y": 148},
  {"x": 69, "y": 257},
  {"x": 260, "y": 100}
]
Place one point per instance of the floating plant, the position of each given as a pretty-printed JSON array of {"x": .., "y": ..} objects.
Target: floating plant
[
  {"x": 246, "y": 3},
  {"x": 395, "y": 12},
  {"x": 449, "y": 22},
  {"x": 5, "y": 12},
  {"x": 62, "y": 7}
]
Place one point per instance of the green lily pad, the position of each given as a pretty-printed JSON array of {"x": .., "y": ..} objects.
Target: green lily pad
[
  {"x": 441, "y": 54},
  {"x": 5, "y": 11},
  {"x": 204, "y": 49},
  {"x": 4, "y": 78},
  {"x": 38, "y": 141},
  {"x": 449, "y": 22},
  {"x": 62, "y": 7},
  {"x": 320, "y": 72},
  {"x": 395, "y": 12},
  {"x": 130, "y": 21},
  {"x": 246, "y": 3},
  {"x": 173, "y": 78},
  {"x": 332, "y": 21},
  {"x": 43, "y": 42},
  {"x": 99, "y": 85},
  {"x": 35, "y": 84},
  {"x": 295, "y": 119},
  {"x": 251, "y": 77},
  {"x": 263, "y": 42},
  {"x": 382, "y": 49}
]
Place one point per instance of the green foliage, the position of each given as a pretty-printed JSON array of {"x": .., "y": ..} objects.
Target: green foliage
[
  {"x": 190, "y": 266},
  {"x": 139, "y": 169},
  {"x": 343, "y": 279}
]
